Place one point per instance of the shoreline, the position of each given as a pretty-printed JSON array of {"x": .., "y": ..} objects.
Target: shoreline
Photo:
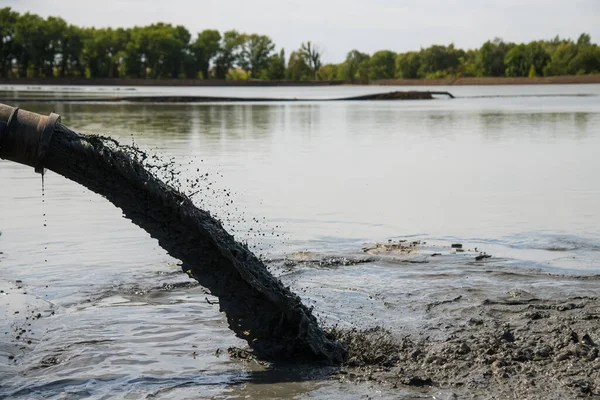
[{"x": 467, "y": 81}]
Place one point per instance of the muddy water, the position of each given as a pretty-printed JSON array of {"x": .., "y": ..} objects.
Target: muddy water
[{"x": 310, "y": 185}]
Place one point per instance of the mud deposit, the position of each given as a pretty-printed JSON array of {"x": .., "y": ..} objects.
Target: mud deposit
[
  {"x": 477, "y": 329},
  {"x": 525, "y": 348},
  {"x": 258, "y": 307}
]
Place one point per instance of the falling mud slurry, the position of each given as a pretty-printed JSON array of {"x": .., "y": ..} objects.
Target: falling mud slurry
[{"x": 258, "y": 307}]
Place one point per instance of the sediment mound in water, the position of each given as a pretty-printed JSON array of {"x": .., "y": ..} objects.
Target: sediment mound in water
[
  {"x": 258, "y": 307},
  {"x": 397, "y": 95}
]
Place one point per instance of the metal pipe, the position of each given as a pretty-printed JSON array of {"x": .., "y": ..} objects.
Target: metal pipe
[{"x": 25, "y": 136}]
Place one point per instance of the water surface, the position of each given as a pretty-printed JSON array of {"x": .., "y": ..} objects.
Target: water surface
[{"x": 511, "y": 170}]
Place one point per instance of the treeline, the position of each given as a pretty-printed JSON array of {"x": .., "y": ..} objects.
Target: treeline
[{"x": 31, "y": 46}]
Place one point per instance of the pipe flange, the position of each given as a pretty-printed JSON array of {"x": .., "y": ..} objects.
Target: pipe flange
[
  {"x": 25, "y": 136},
  {"x": 45, "y": 138}
]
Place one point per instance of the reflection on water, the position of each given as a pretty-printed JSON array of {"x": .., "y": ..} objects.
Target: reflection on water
[
  {"x": 514, "y": 176},
  {"x": 337, "y": 173}
]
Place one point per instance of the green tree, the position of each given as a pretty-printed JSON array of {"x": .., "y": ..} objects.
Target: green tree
[
  {"x": 118, "y": 52},
  {"x": 517, "y": 61},
  {"x": 205, "y": 48},
  {"x": 298, "y": 69},
  {"x": 312, "y": 57},
  {"x": 33, "y": 42},
  {"x": 382, "y": 65},
  {"x": 469, "y": 64},
  {"x": 538, "y": 57},
  {"x": 179, "y": 52},
  {"x": 439, "y": 61},
  {"x": 584, "y": 40},
  {"x": 31, "y": 46},
  {"x": 228, "y": 54},
  {"x": 71, "y": 49},
  {"x": 587, "y": 61},
  {"x": 105, "y": 50},
  {"x": 355, "y": 67},
  {"x": 255, "y": 53},
  {"x": 8, "y": 46},
  {"x": 55, "y": 31},
  {"x": 135, "y": 54},
  {"x": 491, "y": 57},
  {"x": 561, "y": 58},
  {"x": 408, "y": 65},
  {"x": 275, "y": 67},
  {"x": 521, "y": 58},
  {"x": 164, "y": 48},
  {"x": 328, "y": 72}
]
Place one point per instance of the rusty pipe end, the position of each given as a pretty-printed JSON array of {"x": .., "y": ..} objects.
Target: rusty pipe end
[{"x": 25, "y": 136}]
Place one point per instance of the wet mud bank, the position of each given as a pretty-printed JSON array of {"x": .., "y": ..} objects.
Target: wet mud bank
[
  {"x": 530, "y": 348},
  {"x": 259, "y": 309}
]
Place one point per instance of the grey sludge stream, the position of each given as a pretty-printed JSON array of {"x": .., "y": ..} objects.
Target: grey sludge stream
[{"x": 259, "y": 308}]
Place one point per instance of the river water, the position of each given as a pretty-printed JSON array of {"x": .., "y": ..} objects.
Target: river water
[{"x": 508, "y": 170}]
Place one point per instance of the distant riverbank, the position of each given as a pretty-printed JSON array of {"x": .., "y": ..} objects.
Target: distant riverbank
[{"x": 569, "y": 79}]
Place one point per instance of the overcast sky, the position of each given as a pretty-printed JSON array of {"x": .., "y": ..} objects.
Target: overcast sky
[{"x": 341, "y": 25}]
